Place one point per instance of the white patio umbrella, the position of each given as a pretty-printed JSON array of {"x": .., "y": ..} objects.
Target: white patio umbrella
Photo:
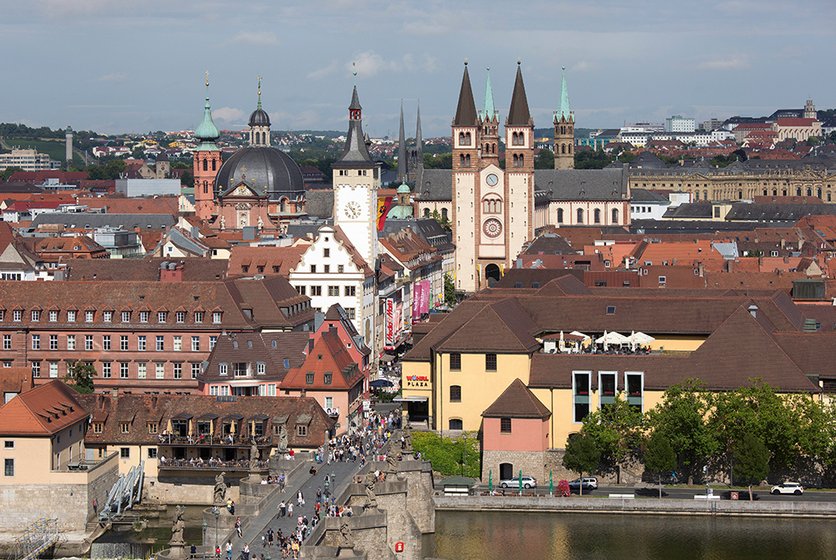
[
  {"x": 612, "y": 338},
  {"x": 637, "y": 338}
]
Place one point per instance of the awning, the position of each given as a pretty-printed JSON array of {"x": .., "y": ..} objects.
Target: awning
[{"x": 410, "y": 399}]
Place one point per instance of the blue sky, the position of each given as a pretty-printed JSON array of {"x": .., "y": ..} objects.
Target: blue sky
[{"x": 117, "y": 66}]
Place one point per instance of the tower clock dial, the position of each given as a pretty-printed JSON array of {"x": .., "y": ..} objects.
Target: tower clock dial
[
  {"x": 352, "y": 210},
  {"x": 492, "y": 179}
]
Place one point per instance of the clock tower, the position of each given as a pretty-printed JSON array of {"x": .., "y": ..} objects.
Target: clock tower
[{"x": 356, "y": 180}]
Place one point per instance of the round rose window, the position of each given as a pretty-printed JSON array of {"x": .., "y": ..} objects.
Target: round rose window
[{"x": 492, "y": 227}]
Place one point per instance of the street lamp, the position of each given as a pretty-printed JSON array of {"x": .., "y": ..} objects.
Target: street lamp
[
  {"x": 205, "y": 526},
  {"x": 217, "y": 513}
]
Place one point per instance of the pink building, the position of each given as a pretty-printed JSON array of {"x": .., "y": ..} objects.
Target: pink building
[{"x": 515, "y": 435}]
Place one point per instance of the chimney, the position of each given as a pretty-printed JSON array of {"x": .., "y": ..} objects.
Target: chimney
[
  {"x": 753, "y": 310},
  {"x": 171, "y": 272}
]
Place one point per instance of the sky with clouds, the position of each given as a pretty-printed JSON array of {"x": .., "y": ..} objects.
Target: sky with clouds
[{"x": 117, "y": 66}]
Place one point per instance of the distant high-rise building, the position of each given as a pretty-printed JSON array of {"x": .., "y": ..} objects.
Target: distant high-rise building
[
  {"x": 68, "y": 147},
  {"x": 711, "y": 124},
  {"x": 678, "y": 123}
]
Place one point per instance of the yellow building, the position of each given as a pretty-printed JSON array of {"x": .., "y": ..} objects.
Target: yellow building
[
  {"x": 46, "y": 470},
  {"x": 460, "y": 365}
]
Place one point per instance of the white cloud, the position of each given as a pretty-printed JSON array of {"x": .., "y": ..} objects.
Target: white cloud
[
  {"x": 260, "y": 38},
  {"x": 369, "y": 63},
  {"x": 324, "y": 71},
  {"x": 228, "y": 114},
  {"x": 115, "y": 77},
  {"x": 731, "y": 62}
]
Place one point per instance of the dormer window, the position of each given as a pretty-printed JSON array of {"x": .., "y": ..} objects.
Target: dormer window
[
  {"x": 89, "y": 316},
  {"x": 17, "y": 315},
  {"x": 107, "y": 316},
  {"x": 309, "y": 378},
  {"x": 216, "y": 317},
  {"x": 143, "y": 316},
  {"x": 180, "y": 316},
  {"x": 72, "y": 315},
  {"x": 198, "y": 316},
  {"x": 124, "y": 427},
  {"x": 36, "y": 315},
  {"x": 162, "y": 316},
  {"x": 126, "y": 316}
]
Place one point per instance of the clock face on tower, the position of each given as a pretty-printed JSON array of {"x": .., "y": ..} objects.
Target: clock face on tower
[
  {"x": 492, "y": 180},
  {"x": 352, "y": 210}
]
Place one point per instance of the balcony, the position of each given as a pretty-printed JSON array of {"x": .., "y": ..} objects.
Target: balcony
[
  {"x": 200, "y": 465},
  {"x": 206, "y": 440}
]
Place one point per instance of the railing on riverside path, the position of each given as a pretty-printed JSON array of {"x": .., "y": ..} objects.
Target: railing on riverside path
[{"x": 37, "y": 538}]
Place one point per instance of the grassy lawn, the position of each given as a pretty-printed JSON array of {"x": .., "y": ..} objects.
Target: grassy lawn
[
  {"x": 55, "y": 148},
  {"x": 446, "y": 453}
]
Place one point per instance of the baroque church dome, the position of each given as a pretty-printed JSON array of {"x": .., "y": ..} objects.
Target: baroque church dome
[{"x": 266, "y": 170}]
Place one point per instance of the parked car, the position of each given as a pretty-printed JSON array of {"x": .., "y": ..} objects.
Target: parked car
[
  {"x": 742, "y": 495},
  {"x": 528, "y": 482},
  {"x": 575, "y": 486},
  {"x": 592, "y": 481},
  {"x": 788, "y": 488}
]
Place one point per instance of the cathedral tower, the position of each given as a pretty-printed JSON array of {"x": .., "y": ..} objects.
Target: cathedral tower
[
  {"x": 416, "y": 154},
  {"x": 206, "y": 162},
  {"x": 489, "y": 128},
  {"x": 403, "y": 163},
  {"x": 810, "y": 110},
  {"x": 259, "y": 123},
  {"x": 464, "y": 174},
  {"x": 356, "y": 180},
  {"x": 564, "y": 130},
  {"x": 518, "y": 215}
]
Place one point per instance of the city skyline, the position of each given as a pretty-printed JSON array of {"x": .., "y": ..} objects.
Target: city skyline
[{"x": 115, "y": 68}]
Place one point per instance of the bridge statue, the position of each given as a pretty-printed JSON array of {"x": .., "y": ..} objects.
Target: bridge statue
[
  {"x": 220, "y": 490},
  {"x": 369, "y": 482}
]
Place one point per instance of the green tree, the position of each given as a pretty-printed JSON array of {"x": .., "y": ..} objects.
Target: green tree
[
  {"x": 751, "y": 461},
  {"x": 8, "y": 172},
  {"x": 659, "y": 457},
  {"x": 591, "y": 159},
  {"x": 681, "y": 419},
  {"x": 449, "y": 456},
  {"x": 438, "y": 161},
  {"x": 544, "y": 159},
  {"x": 617, "y": 430},
  {"x": 449, "y": 290},
  {"x": 110, "y": 169},
  {"x": 582, "y": 454},
  {"x": 80, "y": 377}
]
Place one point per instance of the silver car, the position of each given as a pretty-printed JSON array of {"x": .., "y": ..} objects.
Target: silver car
[
  {"x": 788, "y": 488},
  {"x": 528, "y": 482}
]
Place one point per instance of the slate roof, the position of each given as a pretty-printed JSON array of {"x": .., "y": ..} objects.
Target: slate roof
[
  {"x": 92, "y": 221},
  {"x": 466, "y": 107},
  {"x": 271, "y": 348},
  {"x": 518, "y": 114},
  {"x": 549, "y": 244},
  {"x": 434, "y": 184},
  {"x": 648, "y": 196},
  {"x": 517, "y": 401},
  {"x": 44, "y": 410},
  {"x": 583, "y": 184},
  {"x": 690, "y": 210},
  {"x": 319, "y": 203},
  {"x": 778, "y": 212}
]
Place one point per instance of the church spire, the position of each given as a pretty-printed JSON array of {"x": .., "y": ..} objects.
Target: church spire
[
  {"x": 259, "y": 92},
  {"x": 466, "y": 109},
  {"x": 519, "y": 115},
  {"x": 402, "y": 163},
  {"x": 565, "y": 111},
  {"x": 419, "y": 139},
  {"x": 259, "y": 123},
  {"x": 356, "y": 152},
  {"x": 206, "y": 131},
  {"x": 490, "y": 110}
]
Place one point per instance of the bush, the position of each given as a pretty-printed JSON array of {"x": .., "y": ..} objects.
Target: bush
[{"x": 446, "y": 453}]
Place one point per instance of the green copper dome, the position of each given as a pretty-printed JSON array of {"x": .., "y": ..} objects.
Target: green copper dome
[
  {"x": 206, "y": 130},
  {"x": 404, "y": 189}
]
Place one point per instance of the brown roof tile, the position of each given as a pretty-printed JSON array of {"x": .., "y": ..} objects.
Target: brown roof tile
[
  {"x": 517, "y": 401},
  {"x": 45, "y": 410}
]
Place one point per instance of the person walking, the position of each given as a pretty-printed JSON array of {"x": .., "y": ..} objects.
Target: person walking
[
  {"x": 300, "y": 498},
  {"x": 238, "y": 527},
  {"x": 228, "y": 550},
  {"x": 245, "y": 554},
  {"x": 282, "y": 509}
]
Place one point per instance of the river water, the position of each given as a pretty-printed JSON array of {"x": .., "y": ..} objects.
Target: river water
[{"x": 559, "y": 536}]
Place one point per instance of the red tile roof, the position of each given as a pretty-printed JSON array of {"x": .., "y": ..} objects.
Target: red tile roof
[
  {"x": 45, "y": 410},
  {"x": 517, "y": 401}
]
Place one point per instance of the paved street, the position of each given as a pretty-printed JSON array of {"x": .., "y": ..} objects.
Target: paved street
[{"x": 342, "y": 474}]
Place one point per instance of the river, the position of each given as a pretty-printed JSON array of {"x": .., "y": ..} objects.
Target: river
[{"x": 559, "y": 536}]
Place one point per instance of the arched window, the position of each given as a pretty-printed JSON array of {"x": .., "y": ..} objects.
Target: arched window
[
  {"x": 569, "y": 149},
  {"x": 784, "y": 192},
  {"x": 560, "y": 215},
  {"x": 615, "y": 215},
  {"x": 461, "y": 138},
  {"x": 214, "y": 163},
  {"x": 443, "y": 213},
  {"x": 467, "y": 160},
  {"x": 426, "y": 212},
  {"x": 206, "y": 165},
  {"x": 696, "y": 195},
  {"x": 563, "y": 148},
  {"x": 818, "y": 193},
  {"x": 740, "y": 195},
  {"x": 494, "y": 149},
  {"x": 580, "y": 216},
  {"x": 461, "y": 160},
  {"x": 597, "y": 215},
  {"x": 798, "y": 191},
  {"x": 205, "y": 187},
  {"x": 774, "y": 192},
  {"x": 517, "y": 138},
  {"x": 809, "y": 191},
  {"x": 829, "y": 197},
  {"x": 522, "y": 160}
]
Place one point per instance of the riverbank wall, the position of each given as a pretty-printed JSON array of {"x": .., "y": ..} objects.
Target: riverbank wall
[{"x": 643, "y": 506}]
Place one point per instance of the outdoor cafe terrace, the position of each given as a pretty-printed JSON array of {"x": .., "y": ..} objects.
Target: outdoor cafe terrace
[{"x": 575, "y": 342}]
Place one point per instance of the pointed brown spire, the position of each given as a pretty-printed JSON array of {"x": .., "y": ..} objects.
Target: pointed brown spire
[
  {"x": 519, "y": 114},
  {"x": 466, "y": 110}
]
